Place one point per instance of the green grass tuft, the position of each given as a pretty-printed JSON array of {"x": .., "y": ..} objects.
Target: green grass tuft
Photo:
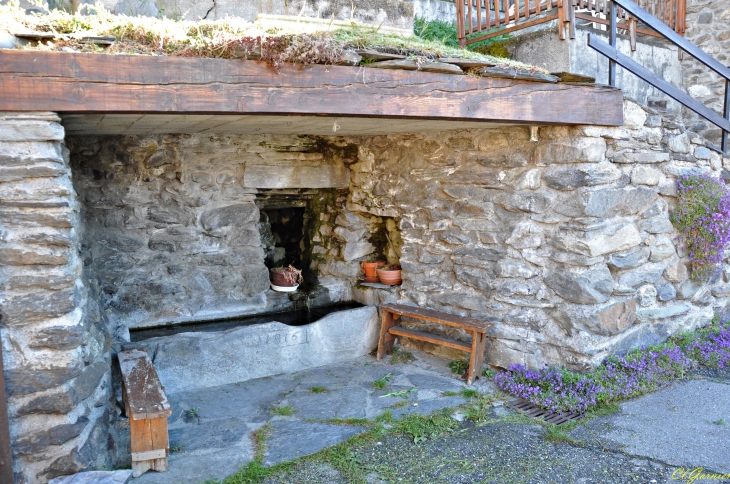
[
  {"x": 319, "y": 389},
  {"x": 286, "y": 410},
  {"x": 555, "y": 434},
  {"x": 382, "y": 382}
]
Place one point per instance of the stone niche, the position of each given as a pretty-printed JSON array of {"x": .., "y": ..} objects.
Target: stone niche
[{"x": 185, "y": 228}]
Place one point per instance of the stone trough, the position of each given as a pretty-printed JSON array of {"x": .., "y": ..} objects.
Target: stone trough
[{"x": 187, "y": 361}]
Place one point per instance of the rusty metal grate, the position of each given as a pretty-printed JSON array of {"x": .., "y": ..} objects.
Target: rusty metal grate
[{"x": 531, "y": 410}]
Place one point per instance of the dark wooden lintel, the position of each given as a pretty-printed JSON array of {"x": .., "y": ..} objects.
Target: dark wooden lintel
[{"x": 100, "y": 83}]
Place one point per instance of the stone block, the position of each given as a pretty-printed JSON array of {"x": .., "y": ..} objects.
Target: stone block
[
  {"x": 270, "y": 349},
  {"x": 355, "y": 250},
  {"x": 169, "y": 216},
  {"x": 688, "y": 289},
  {"x": 634, "y": 115},
  {"x": 702, "y": 153},
  {"x": 293, "y": 173},
  {"x": 721, "y": 291},
  {"x": 525, "y": 235},
  {"x": 37, "y": 442},
  {"x": 677, "y": 272},
  {"x": 590, "y": 286},
  {"x": 630, "y": 259},
  {"x": 658, "y": 225},
  {"x": 654, "y": 315},
  {"x": 662, "y": 248},
  {"x": 96, "y": 477},
  {"x": 573, "y": 259},
  {"x": 58, "y": 338},
  {"x": 647, "y": 295},
  {"x": 35, "y": 170},
  {"x": 679, "y": 143},
  {"x": 78, "y": 390},
  {"x": 583, "y": 176},
  {"x": 39, "y": 305},
  {"x": 47, "y": 256},
  {"x": 646, "y": 274},
  {"x": 481, "y": 279},
  {"x": 666, "y": 292},
  {"x": 238, "y": 215},
  {"x": 605, "y": 240},
  {"x": 644, "y": 175},
  {"x": 28, "y": 130},
  {"x": 26, "y": 379},
  {"x": 574, "y": 150},
  {"x": 608, "y": 202},
  {"x": 529, "y": 202},
  {"x": 641, "y": 157},
  {"x": 615, "y": 318},
  {"x": 478, "y": 256},
  {"x": 514, "y": 268},
  {"x": 530, "y": 180},
  {"x": 13, "y": 153}
]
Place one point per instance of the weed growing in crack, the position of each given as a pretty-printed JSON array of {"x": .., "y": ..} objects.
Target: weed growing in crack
[
  {"x": 401, "y": 356},
  {"x": 469, "y": 393},
  {"x": 459, "y": 366},
  {"x": 382, "y": 382},
  {"x": 319, "y": 389},
  {"x": 423, "y": 427},
  {"x": 402, "y": 393},
  {"x": 285, "y": 410},
  {"x": 555, "y": 433}
]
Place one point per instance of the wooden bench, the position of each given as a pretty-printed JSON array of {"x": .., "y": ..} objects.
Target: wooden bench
[
  {"x": 147, "y": 408},
  {"x": 391, "y": 313}
]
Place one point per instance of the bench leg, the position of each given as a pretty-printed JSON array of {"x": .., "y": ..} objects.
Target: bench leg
[
  {"x": 385, "y": 345},
  {"x": 149, "y": 445},
  {"x": 478, "y": 345}
]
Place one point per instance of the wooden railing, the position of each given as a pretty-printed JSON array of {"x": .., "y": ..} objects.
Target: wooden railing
[{"x": 492, "y": 18}]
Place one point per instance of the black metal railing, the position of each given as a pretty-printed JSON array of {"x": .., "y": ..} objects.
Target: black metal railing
[{"x": 616, "y": 57}]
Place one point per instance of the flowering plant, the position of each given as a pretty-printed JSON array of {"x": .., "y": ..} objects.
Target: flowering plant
[
  {"x": 620, "y": 377},
  {"x": 702, "y": 217}
]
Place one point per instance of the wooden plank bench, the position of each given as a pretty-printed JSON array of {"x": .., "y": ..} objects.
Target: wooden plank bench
[
  {"x": 147, "y": 408},
  {"x": 391, "y": 313}
]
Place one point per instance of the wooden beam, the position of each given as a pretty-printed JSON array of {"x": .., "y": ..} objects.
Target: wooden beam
[{"x": 100, "y": 83}]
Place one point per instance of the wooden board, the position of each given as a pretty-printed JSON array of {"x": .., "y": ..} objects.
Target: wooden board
[
  {"x": 430, "y": 338},
  {"x": 145, "y": 395},
  {"x": 103, "y": 83},
  {"x": 437, "y": 317}
]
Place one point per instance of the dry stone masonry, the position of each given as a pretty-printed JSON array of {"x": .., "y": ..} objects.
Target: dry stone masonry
[
  {"x": 708, "y": 27},
  {"x": 565, "y": 244},
  {"x": 55, "y": 344}
]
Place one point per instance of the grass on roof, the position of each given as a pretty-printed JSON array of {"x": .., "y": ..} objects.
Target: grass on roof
[{"x": 229, "y": 38}]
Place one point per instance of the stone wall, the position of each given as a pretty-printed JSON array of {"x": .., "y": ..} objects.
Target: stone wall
[
  {"x": 55, "y": 347},
  {"x": 708, "y": 27},
  {"x": 565, "y": 243},
  {"x": 172, "y": 230}
]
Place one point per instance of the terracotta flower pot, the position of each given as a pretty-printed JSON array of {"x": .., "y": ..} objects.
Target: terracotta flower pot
[
  {"x": 390, "y": 278},
  {"x": 279, "y": 279},
  {"x": 370, "y": 267}
]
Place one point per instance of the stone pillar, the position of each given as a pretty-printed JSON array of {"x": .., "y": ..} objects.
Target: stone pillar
[{"x": 56, "y": 353}]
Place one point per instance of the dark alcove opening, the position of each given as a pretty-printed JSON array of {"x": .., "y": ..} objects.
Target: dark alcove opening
[{"x": 282, "y": 232}]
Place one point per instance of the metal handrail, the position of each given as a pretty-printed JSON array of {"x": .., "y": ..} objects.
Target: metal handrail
[{"x": 616, "y": 57}]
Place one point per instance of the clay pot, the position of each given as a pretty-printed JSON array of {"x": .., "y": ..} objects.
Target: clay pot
[
  {"x": 389, "y": 278},
  {"x": 370, "y": 267},
  {"x": 277, "y": 279}
]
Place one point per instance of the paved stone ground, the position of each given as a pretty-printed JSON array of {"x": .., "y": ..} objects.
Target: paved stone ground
[
  {"x": 210, "y": 429},
  {"x": 647, "y": 441}
]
